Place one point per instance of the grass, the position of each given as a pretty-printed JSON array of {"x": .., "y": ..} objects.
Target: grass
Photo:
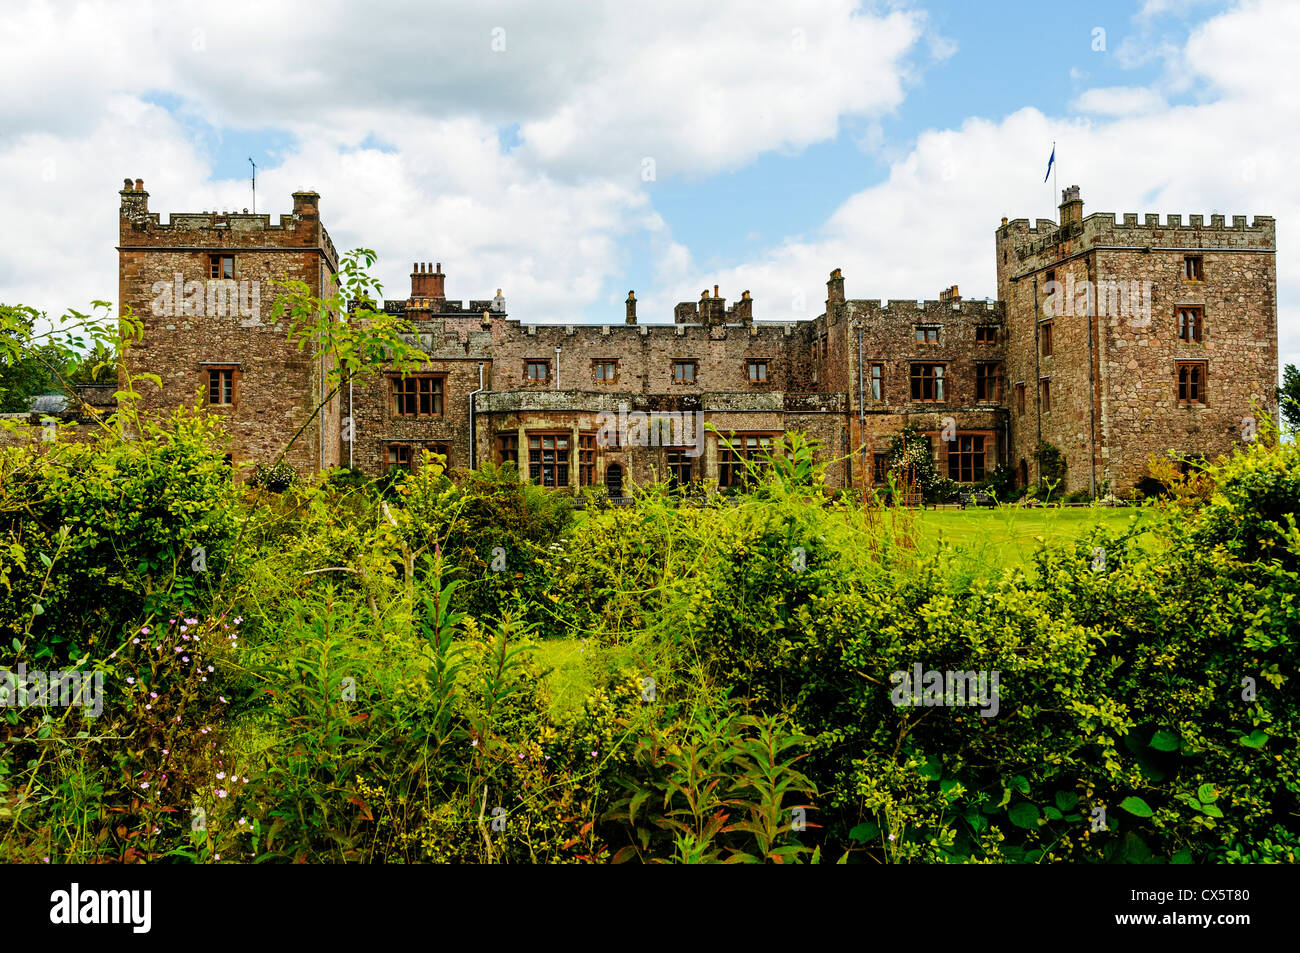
[{"x": 1008, "y": 537}]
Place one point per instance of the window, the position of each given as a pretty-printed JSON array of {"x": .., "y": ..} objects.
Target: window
[
  {"x": 927, "y": 335},
  {"x": 1050, "y": 276},
  {"x": 684, "y": 372},
  {"x": 221, "y": 266},
  {"x": 1020, "y": 398},
  {"x": 679, "y": 464},
  {"x": 1045, "y": 392},
  {"x": 1192, "y": 268},
  {"x": 988, "y": 381},
  {"x": 508, "y": 448},
  {"x": 604, "y": 370},
  {"x": 757, "y": 372},
  {"x": 927, "y": 382},
  {"x": 587, "y": 459},
  {"x": 537, "y": 370},
  {"x": 399, "y": 456},
  {"x": 877, "y": 381},
  {"x": 443, "y": 450},
  {"x": 880, "y": 468},
  {"x": 966, "y": 458},
  {"x": 1190, "y": 322},
  {"x": 1045, "y": 338},
  {"x": 221, "y": 386},
  {"x": 745, "y": 448},
  {"x": 986, "y": 334},
  {"x": 548, "y": 458},
  {"x": 1191, "y": 382},
  {"x": 417, "y": 395}
]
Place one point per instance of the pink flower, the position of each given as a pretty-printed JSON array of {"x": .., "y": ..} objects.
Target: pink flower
[
  {"x": 223, "y": 699},
  {"x": 153, "y": 694},
  {"x": 192, "y": 621},
  {"x": 165, "y": 751},
  {"x": 179, "y": 649},
  {"x": 130, "y": 679},
  {"x": 144, "y": 630},
  {"x": 238, "y": 619},
  {"x": 135, "y": 641},
  {"x": 144, "y": 784},
  {"x": 185, "y": 628},
  {"x": 221, "y": 792},
  {"x": 211, "y": 669},
  {"x": 221, "y": 775}
]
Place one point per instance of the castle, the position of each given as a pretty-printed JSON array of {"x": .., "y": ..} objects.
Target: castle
[{"x": 1109, "y": 341}]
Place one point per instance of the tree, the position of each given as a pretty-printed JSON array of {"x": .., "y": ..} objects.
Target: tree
[
  {"x": 1288, "y": 397},
  {"x": 28, "y": 365}
]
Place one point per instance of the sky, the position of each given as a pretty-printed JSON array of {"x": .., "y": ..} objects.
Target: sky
[{"x": 569, "y": 151}]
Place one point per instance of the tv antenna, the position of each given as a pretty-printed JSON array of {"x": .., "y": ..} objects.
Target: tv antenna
[{"x": 254, "y": 165}]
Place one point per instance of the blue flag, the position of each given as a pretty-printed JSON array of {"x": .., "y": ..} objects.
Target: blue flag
[{"x": 1050, "y": 160}]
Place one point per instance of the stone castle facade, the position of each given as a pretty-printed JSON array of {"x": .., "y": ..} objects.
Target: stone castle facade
[{"x": 1110, "y": 341}]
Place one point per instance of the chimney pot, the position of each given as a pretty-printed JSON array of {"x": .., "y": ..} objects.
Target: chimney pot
[
  {"x": 139, "y": 185},
  {"x": 715, "y": 291},
  {"x": 126, "y": 185}
]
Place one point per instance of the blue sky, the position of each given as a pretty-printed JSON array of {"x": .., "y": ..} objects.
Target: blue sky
[{"x": 507, "y": 140}]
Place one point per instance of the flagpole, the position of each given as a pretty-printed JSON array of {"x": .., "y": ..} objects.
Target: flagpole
[{"x": 1055, "y": 193}]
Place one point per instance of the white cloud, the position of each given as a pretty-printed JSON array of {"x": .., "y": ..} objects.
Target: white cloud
[
  {"x": 592, "y": 89},
  {"x": 1119, "y": 101}
]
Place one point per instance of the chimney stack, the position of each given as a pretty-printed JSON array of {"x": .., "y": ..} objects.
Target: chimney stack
[
  {"x": 427, "y": 281},
  {"x": 135, "y": 200},
  {"x": 1071, "y": 205},
  {"x": 834, "y": 290},
  {"x": 306, "y": 205},
  {"x": 744, "y": 309},
  {"x": 631, "y": 307}
]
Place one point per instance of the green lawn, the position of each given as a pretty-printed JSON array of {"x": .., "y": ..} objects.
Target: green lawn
[{"x": 1005, "y": 537}]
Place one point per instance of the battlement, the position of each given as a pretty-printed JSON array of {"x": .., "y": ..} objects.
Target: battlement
[
  {"x": 297, "y": 229},
  {"x": 982, "y": 309},
  {"x": 1100, "y": 229}
]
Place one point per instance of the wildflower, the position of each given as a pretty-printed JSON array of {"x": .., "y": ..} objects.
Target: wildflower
[
  {"x": 221, "y": 792},
  {"x": 223, "y": 699},
  {"x": 243, "y": 821},
  {"x": 148, "y": 707},
  {"x": 130, "y": 679},
  {"x": 112, "y": 655},
  {"x": 135, "y": 641},
  {"x": 211, "y": 669},
  {"x": 185, "y": 628},
  {"x": 192, "y": 621},
  {"x": 221, "y": 775},
  {"x": 144, "y": 630},
  {"x": 144, "y": 785},
  {"x": 185, "y": 658},
  {"x": 165, "y": 751},
  {"x": 153, "y": 694},
  {"x": 218, "y": 856},
  {"x": 238, "y": 619},
  {"x": 179, "y": 649},
  {"x": 245, "y": 780}
]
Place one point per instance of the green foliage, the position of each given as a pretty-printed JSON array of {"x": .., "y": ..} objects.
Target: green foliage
[
  {"x": 1288, "y": 397},
  {"x": 912, "y": 467}
]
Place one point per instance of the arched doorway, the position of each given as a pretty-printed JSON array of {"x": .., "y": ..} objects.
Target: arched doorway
[{"x": 614, "y": 480}]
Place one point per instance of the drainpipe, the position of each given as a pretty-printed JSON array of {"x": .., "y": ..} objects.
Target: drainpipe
[
  {"x": 862, "y": 413},
  {"x": 557, "y": 367},
  {"x": 1092, "y": 384},
  {"x": 1038, "y": 392},
  {"x": 352, "y": 426},
  {"x": 473, "y": 430}
]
